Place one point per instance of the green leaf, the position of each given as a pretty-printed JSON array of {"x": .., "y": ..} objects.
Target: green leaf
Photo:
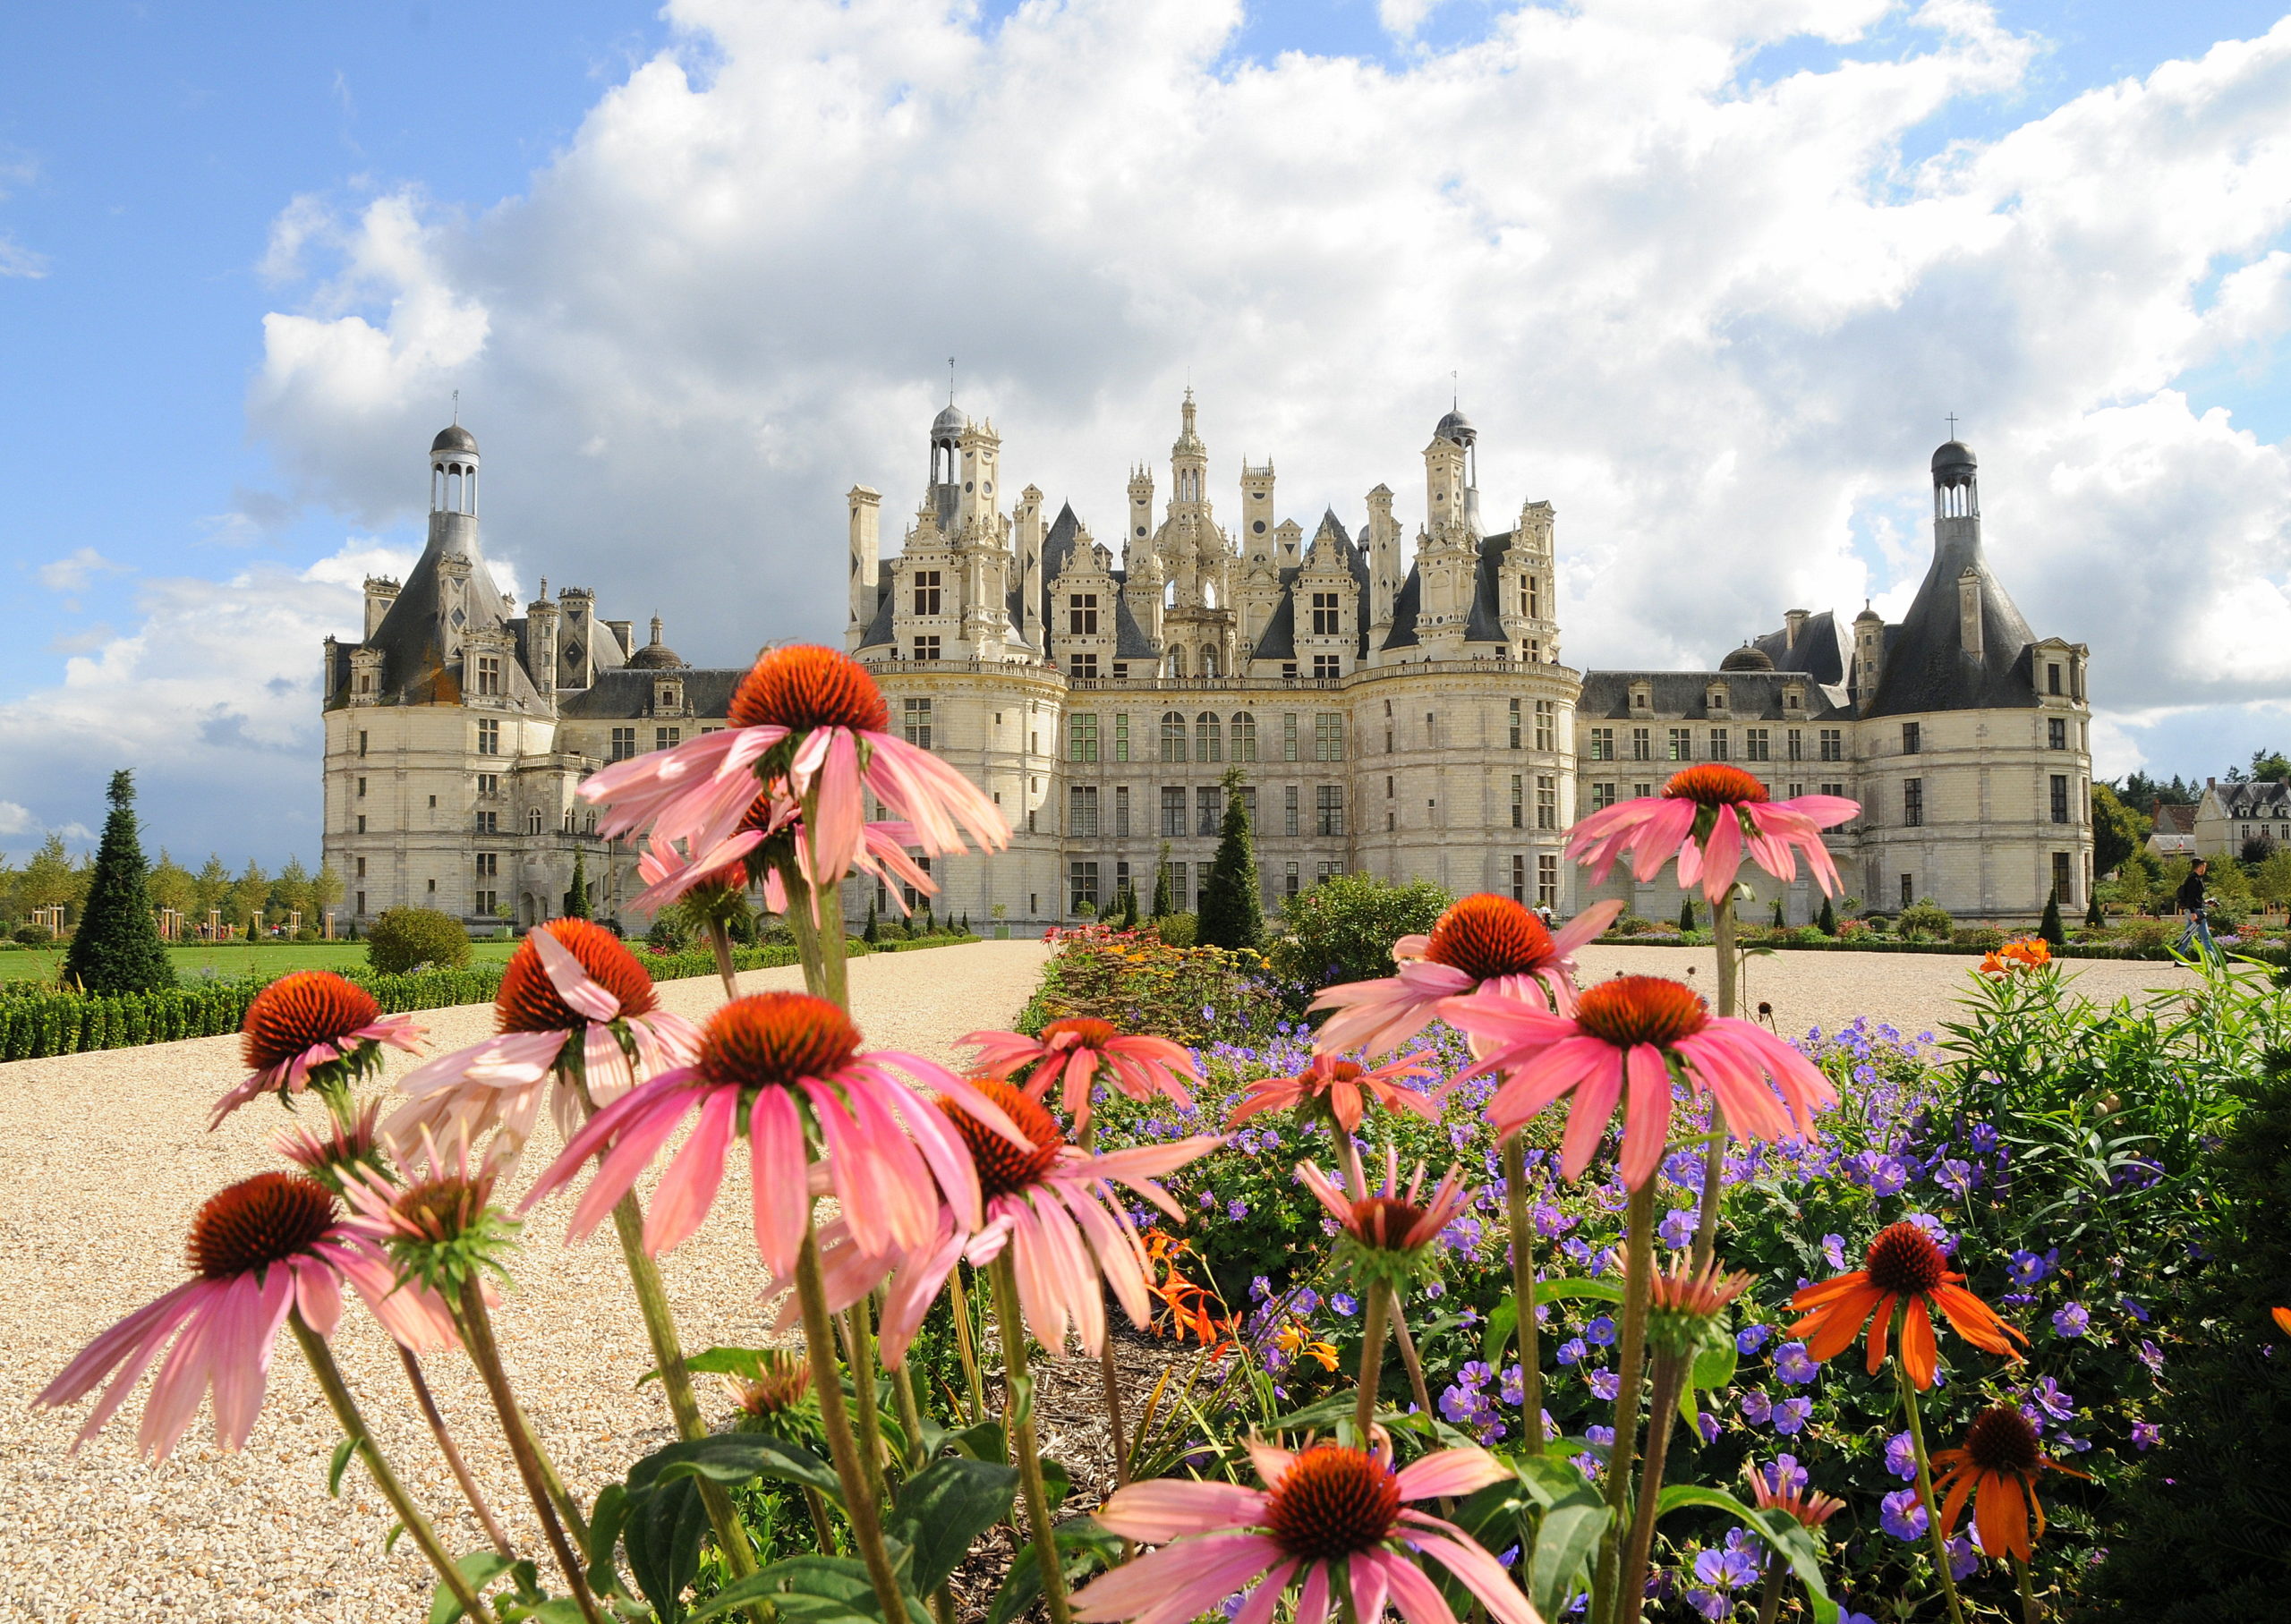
[
  {"x": 1778, "y": 1527},
  {"x": 1713, "y": 1368},
  {"x": 605, "y": 1518},
  {"x": 662, "y": 1536},
  {"x": 1057, "y": 1482},
  {"x": 1022, "y": 1399},
  {"x": 1555, "y": 1515},
  {"x": 1083, "y": 1548},
  {"x": 389, "y": 1540},
  {"x": 944, "y": 1506},
  {"x": 340, "y": 1463},
  {"x": 1325, "y": 1412},
  {"x": 1566, "y": 1542},
  {"x": 1504, "y": 1319},
  {"x": 980, "y": 1443},
  {"x": 746, "y": 1361},
  {"x": 478, "y": 1568},
  {"x": 733, "y": 1457},
  {"x": 814, "y": 1589}
]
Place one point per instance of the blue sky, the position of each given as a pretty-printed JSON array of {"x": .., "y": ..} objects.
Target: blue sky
[{"x": 159, "y": 449}]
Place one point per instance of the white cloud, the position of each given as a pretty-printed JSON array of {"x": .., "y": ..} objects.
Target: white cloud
[
  {"x": 72, "y": 573},
  {"x": 16, "y": 820},
  {"x": 17, "y": 260}
]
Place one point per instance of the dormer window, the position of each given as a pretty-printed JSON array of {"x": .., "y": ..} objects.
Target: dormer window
[
  {"x": 1718, "y": 698},
  {"x": 1640, "y": 698},
  {"x": 1792, "y": 700}
]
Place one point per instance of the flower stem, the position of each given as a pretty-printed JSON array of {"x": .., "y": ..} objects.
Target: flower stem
[
  {"x": 452, "y": 1452},
  {"x": 541, "y": 1485},
  {"x": 1019, "y": 1428},
  {"x": 354, "y": 1425},
  {"x": 1714, "y": 1155},
  {"x": 827, "y": 1381},
  {"x": 1408, "y": 1360},
  {"x": 1925, "y": 1490},
  {"x": 1372, "y": 1361},
  {"x": 1518, "y": 1210},
  {"x": 958, "y": 1300},
  {"x": 676, "y": 1381},
  {"x": 1639, "y": 1261},
  {"x": 1109, "y": 1373},
  {"x": 807, "y": 929},
  {"x": 721, "y": 939},
  {"x": 1769, "y": 1595},
  {"x": 2029, "y": 1612},
  {"x": 1669, "y": 1372},
  {"x": 859, "y": 1334}
]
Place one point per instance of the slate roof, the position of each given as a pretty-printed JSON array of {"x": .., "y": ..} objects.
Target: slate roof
[
  {"x": 1824, "y": 650},
  {"x": 2172, "y": 819},
  {"x": 628, "y": 693},
  {"x": 1926, "y": 667},
  {"x": 1486, "y": 622},
  {"x": 1753, "y": 696},
  {"x": 411, "y": 636},
  {"x": 2256, "y": 799}
]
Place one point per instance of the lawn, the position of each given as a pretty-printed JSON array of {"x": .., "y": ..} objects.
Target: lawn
[{"x": 229, "y": 961}]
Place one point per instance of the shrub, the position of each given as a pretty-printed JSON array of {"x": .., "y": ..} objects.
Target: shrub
[
  {"x": 2048, "y": 927},
  {"x": 1178, "y": 930},
  {"x": 34, "y": 936},
  {"x": 1230, "y": 913},
  {"x": 400, "y": 940},
  {"x": 1342, "y": 929},
  {"x": 1828, "y": 924},
  {"x": 1926, "y": 920},
  {"x": 117, "y": 947},
  {"x": 1686, "y": 914},
  {"x": 1981, "y": 939}
]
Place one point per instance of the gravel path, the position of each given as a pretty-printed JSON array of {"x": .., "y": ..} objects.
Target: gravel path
[{"x": 103, "y": 1160}]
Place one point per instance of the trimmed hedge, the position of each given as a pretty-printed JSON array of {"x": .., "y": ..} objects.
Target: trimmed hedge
[
  {"x": 36, "y": 1022},
  {"x": 2271, "y": 956}
]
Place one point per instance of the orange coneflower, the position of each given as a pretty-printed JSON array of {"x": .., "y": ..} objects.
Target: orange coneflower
[
  {"x": 1997, "y": 1465},
  {"x": 1903, "y": 1265}
]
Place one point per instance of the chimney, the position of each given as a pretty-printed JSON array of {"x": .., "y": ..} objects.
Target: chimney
[
  {"x": 381, "y": 592},
  {"x": 1969, "y": 611},
  {"x": 866, "y": 550},
  {"x": 1795, "y": 620}
]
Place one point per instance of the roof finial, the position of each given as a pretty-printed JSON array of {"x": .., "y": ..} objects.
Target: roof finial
[
  {"x": 457, "y": 408},
  {"x": 1455, "y": 391},
  {"x": 1952, "y": 425}
]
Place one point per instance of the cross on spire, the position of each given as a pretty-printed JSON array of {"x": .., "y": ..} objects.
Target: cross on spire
[
  {"x": 1455, "y": 391},
  {"x": 457, "y": 408},
  {"x": 951, "y": 380},
  {"x": 1952, "y": 425}
]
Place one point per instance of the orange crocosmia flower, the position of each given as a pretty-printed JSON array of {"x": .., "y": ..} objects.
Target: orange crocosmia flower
[
  {"x": 1997, "y": 1465},
  {"x": 1903, "y": 1266},
  {"x": 2283, "y": 1318}
]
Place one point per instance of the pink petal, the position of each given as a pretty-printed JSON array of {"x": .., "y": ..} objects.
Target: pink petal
[
  {"x": 581, "y": 995},
  {"x": 1586, "y": 926},
  {"x": 318, "y": 1292},
  {"x": 1587, "y": 1119},
  {"x": 782, "y": 1197},
  {"x": 1267, "y": 1597},
  {"x": 688, "y": 1189},
  {"x": 1481, "y": 1574},
  {"x": 1418, "y": 1599},
  {"x": 1449, "y": 1472},
  {"x": 1177, "y": 1583},
  {"x": 1722, "y": 857},
  {"x": 1312, "y": 1599},
  {"x": 1646, "y": 1113}
]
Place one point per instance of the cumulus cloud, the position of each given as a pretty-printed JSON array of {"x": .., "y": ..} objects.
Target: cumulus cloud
[
  {"x": 73, "y": 573},
  {"x": 16, "y": 820}
]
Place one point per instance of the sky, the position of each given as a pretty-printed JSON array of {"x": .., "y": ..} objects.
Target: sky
[{"x": 1711, "y": 277}]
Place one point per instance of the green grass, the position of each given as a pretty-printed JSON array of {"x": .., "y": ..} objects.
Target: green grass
[{"x": 226, "y": 961}]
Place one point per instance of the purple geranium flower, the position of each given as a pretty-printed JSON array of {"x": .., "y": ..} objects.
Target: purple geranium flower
[
  {"x": 1795, "y": 1365},
  {"x": 2072, "y": 1321},
  {"x": 1791, "y": 1416},
  {"x": 1901, "y": 1455},
  {"x": 1899, "y": 1514},
  {"x": 1749, "y": 1339}
]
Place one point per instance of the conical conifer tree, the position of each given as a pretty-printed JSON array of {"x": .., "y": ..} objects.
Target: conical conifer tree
[
  {"x": 2093, "y": 915},
  {"x": 117, "y": 947},
  {"x": 1231, "y": 916},
  {"x": 1162, "y": 884},
  {"x": 1828, "y": 922},
  {"x": 576, "y": 901},
  {"x": 2049, "y": 927},
  {"x": 1686, "y": 913}
]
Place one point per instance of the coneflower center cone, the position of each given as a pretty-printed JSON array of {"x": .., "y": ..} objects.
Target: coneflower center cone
[
  {"x": 773, "y": 1039},
  {"x": 804, "y": 686},
  {"x": 1086, "y": 1031},
  {"x": 2002, "y": 1440},
  {"x": 1003, "y": 1168},
  {"x": 297, "y": 1011},
  {"x": 529, "y": 1001},
  {"x": 257, "y": 1221},
  {"x": 1903, "y": 1261},
  {"x": 442, "y": 1209},
  {"x": 1634, "y": 1009},
  {"x": 1333, "y": 1503},
  {"x": 1485, "y": 936},
  {"x": 1713, "y": 785},
  {"x": 1384, "y": 1221}
]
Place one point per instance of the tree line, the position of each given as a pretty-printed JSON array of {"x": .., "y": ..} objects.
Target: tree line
[{"x": 51, "y": 877}]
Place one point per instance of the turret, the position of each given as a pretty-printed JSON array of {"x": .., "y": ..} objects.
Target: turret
[
  {"x": 1384, "y": 562},
  {"x": 381, "y": 592},
  {"x": 1256, "y": 512},
  {"x": 867, "y": 554},
  {"x": 975, "y": 501},
  {"x": 1136, "y": 541},
  {"x": 1028, "y": 533},
  {"x": 542, "y": 624},
  {"x": 1868, "y": 656},
  {"x": 1188, "y": 462},
  {"x": 453, "y": 489}
]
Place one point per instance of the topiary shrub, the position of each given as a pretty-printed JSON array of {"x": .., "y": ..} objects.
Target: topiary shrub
[
  {"x": 1828, "y": 924},
  {"x": 1925, "y": 920},
  {"x": 117, "y": 947},
  {"x": 1780, "y": 920},
  {"x": 401, "y": 940},
  {"x": 1686, "y": 914},
  {"x": 34, "y": 936},
  {"x": 2048, "y": 927}
]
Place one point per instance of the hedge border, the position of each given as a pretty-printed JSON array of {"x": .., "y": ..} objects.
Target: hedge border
[{"x": 2100, "y": 950}]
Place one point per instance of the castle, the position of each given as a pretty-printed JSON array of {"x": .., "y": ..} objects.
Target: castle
[{"x": 1395, "y": 709}]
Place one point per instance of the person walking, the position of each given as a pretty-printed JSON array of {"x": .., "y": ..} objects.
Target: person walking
[{"x": 2191, "y": 904}]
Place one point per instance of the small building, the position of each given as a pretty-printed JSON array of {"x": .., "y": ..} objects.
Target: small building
[
  {"x": 2174, "y": 834},
  {"x": 2240, "y": 814}
]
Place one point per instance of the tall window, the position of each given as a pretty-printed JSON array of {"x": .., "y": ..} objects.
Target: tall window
[
  {"x": 1289, "y": 883},
  {"x": 1208, "y": 737},
  {"x": 489, "y": 739},
  {"x": 489, "y": 786},
  {"x": 1720, "y": 749},
  {"x": 1289, "y": 736},
  {"x": 2063, "y": 885},
  {"x": 1546, "y": 801},
  {"x": 1682, "y": 744},
  {"x": 2052, "y": 679},
  {"x": 1328, "y": 808},
  {"x": 926, "y": 591},
  {"x": 1833, "y": 744},
  {"x": 1908, "y": 889},
  {"x": 915, "y": 714},
  {"x": 1209, "y": 809},
  {"x": 1082, "y": 613},
  {"x": 1532, "y": 597},
  {"x": 1173, "y": 736},
  {"x": 666, "y": 738},
  {"x": 1082, "y": 738},
  {"x": 1514, "y": 722},
  {"x": 1518, "y": 879},
  {"x": 926, "y": 648},
  {"x": 2055, "y": 732},
  {"x": 488, "y": 824},
  {"x": 1248, "y": 805},
  {"x": 1518, "y": 800},
  {"x": 1602, "y": 743},
  {"x": 1244, "y": 737},
  {"x": 1122, "y": 811},
  {"x": 1328, "y": 736},
  {"x": 2059, "y": 797},
  {"x": 1180, "y": 886},
  {"x": 1121, "y": 735},
  {"x": 1546, "y": 881},
  {"x": 1172, "y": 811},
  {"x": 624, "y": 743},
  {"x": 533, "y": 820},
  {"x": 488, "y": 675},
  {"x": 1327, "y": 665},
  {"x": 1082, "y": 811},
  {"x": 909, "y": 893},
  {"x": 1082, "y": 666},
  {"x": 1756, "y": 745},
  {"x": 1081, "y": 886},
  {"x": 1289, "y": 811},
  {"x": 1795, "y": 742},
  {"x": 1912, "y": 801},
  {"x": 1546, "y": 716},
  {"x": 1324, "y": 615},
  {"x": 1643, "y": 743},
  {"x": 1833, "y": 788},
  {"x": 1602, "y": 796},
  {"x": 1911, "y": 738}
]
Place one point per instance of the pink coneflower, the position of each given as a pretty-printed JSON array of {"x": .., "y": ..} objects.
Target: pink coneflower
[
  {"x": 765, "y": 1063},
  {"x": 1387, "y": 1233},
  {"x": 350, "y": 1149},
  {"x": 1623, "y": 1033},
  {"x": 1330, "y": 1516},
  {"x": 1708, "y": 817},
  {"x": 1344, "y": 1087},
  {"x": 572, "y": 1002},
  {"x": 1051, "y": 1205},
  {"x": 1485, "y": 943},
  {"x": 1776, "y": 1487},
  {"x": 813, "y": 720},
  {"x": 1077, "y": 1049},
  {"x": 263, "y": 1246},
  {"x": 312, "y": 1026}
]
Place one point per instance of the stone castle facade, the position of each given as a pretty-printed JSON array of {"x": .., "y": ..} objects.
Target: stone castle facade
[{"x": 1393, "y": 705}]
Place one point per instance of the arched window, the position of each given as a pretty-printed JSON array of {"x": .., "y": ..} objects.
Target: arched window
[
  {"x": 1209, "y": 660},
  {"x": 1173, "y": 736},
  {"x": 1177, "y": 662},
  {"x": 1169, "y": 595},
  {"x": 1244, "y": 736},
  {"x": 1208, "y": 738},
  {"x": 533, "y": 821},
  {"x": 1209, "y": 594}
]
